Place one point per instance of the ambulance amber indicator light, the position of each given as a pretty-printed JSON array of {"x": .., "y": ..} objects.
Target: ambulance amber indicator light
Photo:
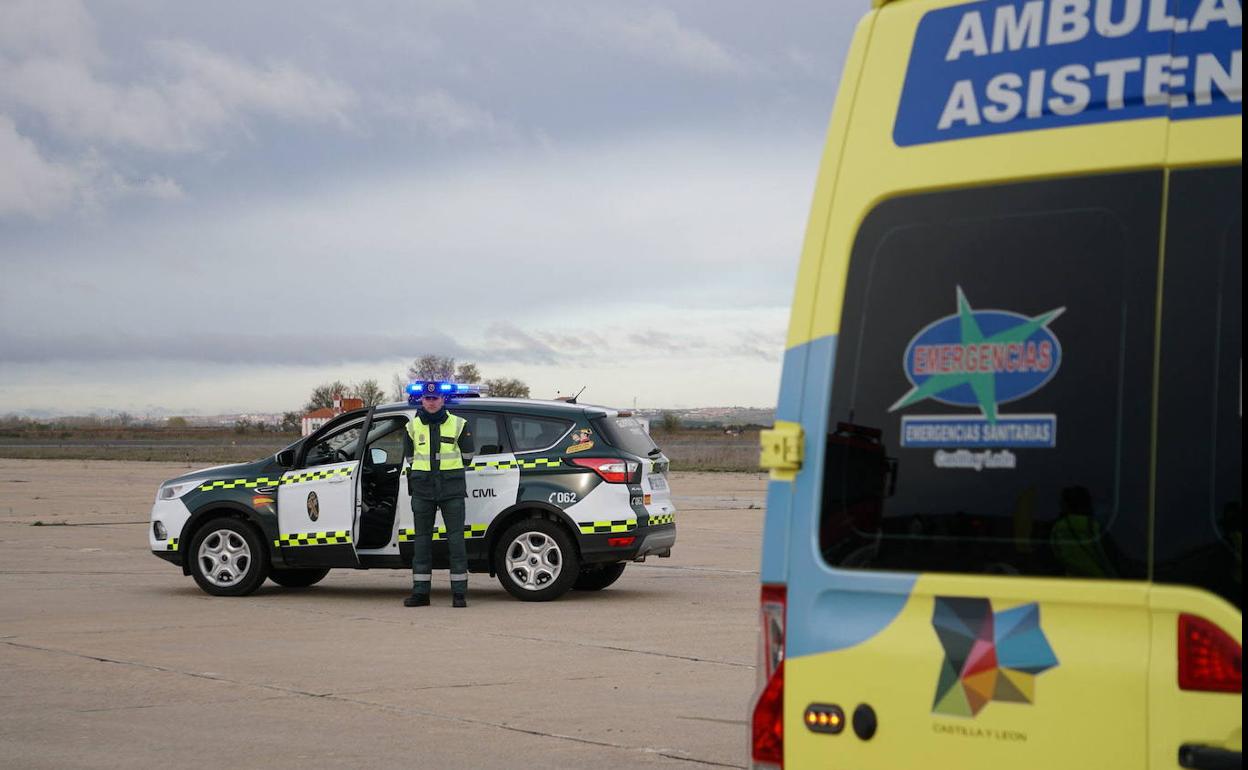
[
  {"x": 825, "y": 718},
  {"x": 1209, "y": 659}
]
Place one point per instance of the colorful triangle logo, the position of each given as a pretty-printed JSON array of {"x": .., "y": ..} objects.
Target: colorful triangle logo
[{"x": 988, "y": 655}]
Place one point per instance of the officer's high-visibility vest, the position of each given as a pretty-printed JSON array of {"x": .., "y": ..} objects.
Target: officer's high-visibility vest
[{"x": 449, "y": 456}]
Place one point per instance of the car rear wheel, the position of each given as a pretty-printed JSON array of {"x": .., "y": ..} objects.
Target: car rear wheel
[
  {"x": 536, "y": 560},
  {"x": 228, "y": 558},
  {"x": 599, "y": 576},
  {"x": 297, "y": 578}
]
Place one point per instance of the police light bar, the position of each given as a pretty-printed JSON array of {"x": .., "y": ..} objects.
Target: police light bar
[{"x": 421, "y": 388}]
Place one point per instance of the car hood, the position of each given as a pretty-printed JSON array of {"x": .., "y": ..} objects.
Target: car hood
[{"x": 235, "y": 471}]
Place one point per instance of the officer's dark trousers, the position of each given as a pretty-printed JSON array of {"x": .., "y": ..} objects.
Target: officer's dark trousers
[{"x": 422, "y": 557}]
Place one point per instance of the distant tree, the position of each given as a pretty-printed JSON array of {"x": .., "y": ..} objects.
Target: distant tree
[
  {"x": 671, "y": 421},
  {"x": 431, "y": 367},
  {"x": 176, "y": 422},
  {"x": 505, "y": 387},
  {"x": 292, "y": 422},
  {"x": 323, "y": 395},
  {"x": 124, "y": 418},
  {"x": 369, "y": 392},
  {"x": 467, "y": 372},
  {"x": 242, "y": 425}
]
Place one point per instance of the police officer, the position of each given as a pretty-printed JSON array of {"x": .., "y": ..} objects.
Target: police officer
[{"x": 440, "y": 444}]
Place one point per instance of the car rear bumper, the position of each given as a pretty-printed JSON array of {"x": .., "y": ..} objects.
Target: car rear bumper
[{"x": 647, "y": 541}]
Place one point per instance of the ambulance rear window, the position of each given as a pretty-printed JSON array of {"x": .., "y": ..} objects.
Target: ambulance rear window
[{"x": 990, "y": 402}]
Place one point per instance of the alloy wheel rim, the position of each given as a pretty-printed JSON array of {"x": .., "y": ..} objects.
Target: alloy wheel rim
[
  {"x": 224, "y": 557},
  {"x": 534, "y": 561}
]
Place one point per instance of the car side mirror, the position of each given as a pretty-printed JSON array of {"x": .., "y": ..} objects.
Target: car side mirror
[
  {"x": 286, "y": 458},
  {"x": 378, "y": 456},
  {"x": 490, "y": 449}
]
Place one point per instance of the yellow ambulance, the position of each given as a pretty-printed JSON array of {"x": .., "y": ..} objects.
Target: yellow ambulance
[{"x": 1004, "y": 520}]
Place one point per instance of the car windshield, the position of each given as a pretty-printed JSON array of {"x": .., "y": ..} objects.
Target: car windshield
[{"x": 627, "y": 433}]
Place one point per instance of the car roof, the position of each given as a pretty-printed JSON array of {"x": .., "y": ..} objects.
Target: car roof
[{"x": 521, "y": 405}]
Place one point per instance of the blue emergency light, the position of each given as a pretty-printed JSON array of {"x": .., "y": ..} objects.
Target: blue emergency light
[{"x": 448, "y": 390}]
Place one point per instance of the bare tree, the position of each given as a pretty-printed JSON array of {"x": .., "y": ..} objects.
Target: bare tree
[
  {"x": 292, "y": 422},
  {"x": 431, "y": 367},
  {"x": 467, "y": 372},
  {"x": 323, "y": 395},
  {"x": 369, "y": 392},
  {"x": 507, "y": 387}
]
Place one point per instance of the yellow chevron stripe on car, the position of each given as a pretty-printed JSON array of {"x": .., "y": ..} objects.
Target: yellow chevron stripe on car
[
  {"x": 265, "y": 481},
  {"x": 439, "y": 533},
  {"x": 342, "y": 537},
  {"x": 172, "y": 545},
  {"x": 602, "y": 527},
  {"x": 662, "y": 518}
]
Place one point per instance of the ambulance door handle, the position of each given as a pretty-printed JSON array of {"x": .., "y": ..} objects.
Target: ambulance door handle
[{"x": 1201, "y": 757}]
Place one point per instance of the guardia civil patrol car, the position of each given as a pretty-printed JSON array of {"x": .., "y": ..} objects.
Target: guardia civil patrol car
[{"x": 560, "y": 496}]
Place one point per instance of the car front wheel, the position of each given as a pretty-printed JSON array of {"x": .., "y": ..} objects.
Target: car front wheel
[
  {"x": 228, "y": 558},
  {"x": 536, "y": 560}
]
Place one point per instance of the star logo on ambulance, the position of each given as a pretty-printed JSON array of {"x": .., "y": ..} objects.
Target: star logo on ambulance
[
  {"x": 982, "y": 359},
  {"x": 988, "y": 655}
]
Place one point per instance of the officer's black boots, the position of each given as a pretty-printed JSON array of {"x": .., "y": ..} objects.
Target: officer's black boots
[
  {"x": 459, "y": 600},
  {"x": 416, "y": 600}
]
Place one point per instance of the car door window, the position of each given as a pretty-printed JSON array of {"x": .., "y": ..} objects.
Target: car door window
[
  {"x": 386, "y": 436},
  {"x": 534, "y": 433},
  {"x": 337, "y": 447},
  {"x": 488, "y": 434}
]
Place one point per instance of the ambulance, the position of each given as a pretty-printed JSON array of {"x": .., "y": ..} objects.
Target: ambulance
[{"x": 1004, "y": 515}]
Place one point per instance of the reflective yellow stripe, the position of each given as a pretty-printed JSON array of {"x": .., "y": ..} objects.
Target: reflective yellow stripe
[
  {"x": 662, "y": 518},
  {"x": 264, "y": 481},
  {"x": 604, "y": 527},
  {"x": 439, "y": 533},
  {"x": 341, "y": 537}
]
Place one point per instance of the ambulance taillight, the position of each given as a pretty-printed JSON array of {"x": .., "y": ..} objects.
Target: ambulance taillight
[
  {"x": 1209, "y": 659},
  {"x": 767, "y": 716}
]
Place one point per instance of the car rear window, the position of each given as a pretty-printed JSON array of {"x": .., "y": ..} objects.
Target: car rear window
[
  {"x": 990, "y": 402},
  {"x": 533, "y": 433},
  {"x": 627, "y": 433}
]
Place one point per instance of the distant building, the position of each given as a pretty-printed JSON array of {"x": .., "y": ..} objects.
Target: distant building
[{"x": 318, "y": 417}]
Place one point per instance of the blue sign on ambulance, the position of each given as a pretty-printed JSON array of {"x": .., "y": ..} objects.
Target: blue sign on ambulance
[{"x": 1018, "y": 65}]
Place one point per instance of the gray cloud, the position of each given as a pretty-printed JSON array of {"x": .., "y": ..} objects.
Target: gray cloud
[
  {"x": 246, "y": 348},
  {"x": 507, "y": 342}
]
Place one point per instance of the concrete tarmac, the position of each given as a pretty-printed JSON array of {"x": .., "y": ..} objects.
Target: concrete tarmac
[{"x": 111, "y": 658}]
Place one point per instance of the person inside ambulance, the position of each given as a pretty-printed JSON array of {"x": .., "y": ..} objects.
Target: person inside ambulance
[{"x": 440, "y": 446}]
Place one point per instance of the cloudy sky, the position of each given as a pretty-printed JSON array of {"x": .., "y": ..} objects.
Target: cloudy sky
[{"x": 213, "y": 207}]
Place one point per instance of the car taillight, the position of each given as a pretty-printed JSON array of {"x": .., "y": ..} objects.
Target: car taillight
[
  {"x": 1209, "y": 659},
  {"x": 767, "y": 717},
  {"x": 612, "y": 469}
]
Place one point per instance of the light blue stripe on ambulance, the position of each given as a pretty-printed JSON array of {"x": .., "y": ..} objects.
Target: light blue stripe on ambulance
[
  {"x": 829, "y": 609},
  {"x": 774, "y": 565}
]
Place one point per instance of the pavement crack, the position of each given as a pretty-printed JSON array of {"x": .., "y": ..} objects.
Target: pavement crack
[
  {"x": 614, "y": 648},
  {"x": 403, "y": 710},
  {"x": 722, "y": 570}
]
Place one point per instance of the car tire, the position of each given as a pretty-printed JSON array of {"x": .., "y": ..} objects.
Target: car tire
[
  {"x": 599, "y": 576},
  {"x": 298, "y": 578},
  {"x": 536, "y": 560},
  {"x": 228, "y": 558}
]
